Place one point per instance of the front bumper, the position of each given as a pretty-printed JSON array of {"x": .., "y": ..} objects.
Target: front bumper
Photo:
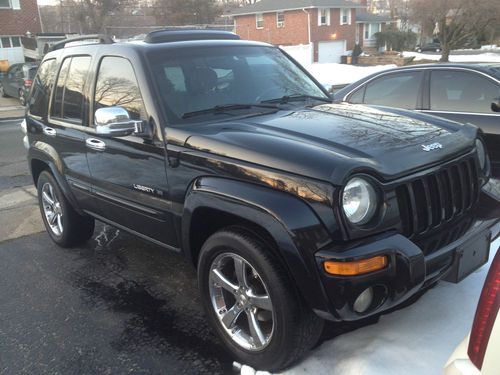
[{"x": 411, "y": 267}]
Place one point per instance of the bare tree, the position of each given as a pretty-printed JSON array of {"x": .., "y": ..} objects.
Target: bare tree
[
  {"x": 455, "y": 21},
  {"x": 186, "y": 12}
]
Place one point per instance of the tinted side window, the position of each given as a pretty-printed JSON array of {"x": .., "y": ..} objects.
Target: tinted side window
[
  {"x": 42, "y": 86},
  {"x": 117, "y": 86},
  {"x": 394, "y": 90},
  {"x": 462, "y": 92},
  {"x": 69, "y": 98},
  {"x": 73, "y": 93}
]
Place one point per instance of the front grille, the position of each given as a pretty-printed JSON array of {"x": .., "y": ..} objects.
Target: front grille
[{"x": 429, "y": 201}]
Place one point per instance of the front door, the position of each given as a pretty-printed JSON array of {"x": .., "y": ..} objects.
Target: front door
[
  {"x": 128, "y": 173},
  {"x": 466, "y": 97}
]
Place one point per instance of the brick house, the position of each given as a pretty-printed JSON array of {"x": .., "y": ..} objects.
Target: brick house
[
  {"x": 17, "y": 17},
  {"x": 328, "y": 27}
]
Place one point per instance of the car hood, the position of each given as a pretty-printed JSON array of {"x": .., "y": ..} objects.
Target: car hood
[{"x": 332, "y": 141}]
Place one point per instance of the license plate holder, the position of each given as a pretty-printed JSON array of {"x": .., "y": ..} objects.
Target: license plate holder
[{"x": 469, "y": 256}]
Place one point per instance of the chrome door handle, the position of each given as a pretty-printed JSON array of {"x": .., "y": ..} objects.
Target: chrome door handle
[
  {"x": 95, "y": 144},
  {"x": 51, "y": 132}
]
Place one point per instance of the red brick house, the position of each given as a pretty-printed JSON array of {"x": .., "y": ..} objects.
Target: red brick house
[
  {"x": 17, "y": 17},
  {"x": 329, "y": 27}
]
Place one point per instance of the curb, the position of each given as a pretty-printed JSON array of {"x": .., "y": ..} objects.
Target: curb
[
  {"x": 11, "y": 118},
  {"x": 12, "y": 108}
]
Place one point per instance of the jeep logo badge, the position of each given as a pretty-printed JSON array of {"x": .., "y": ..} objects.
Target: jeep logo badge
[{"x": 432, "y": 146}]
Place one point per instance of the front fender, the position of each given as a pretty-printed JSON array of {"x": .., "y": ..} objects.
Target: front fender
[
  {"x": 47, "y": 154},
  {"x": 292, "y": 224}
]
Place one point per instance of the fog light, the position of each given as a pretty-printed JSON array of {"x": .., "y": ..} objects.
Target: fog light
[{"x": 364, "y": 300}]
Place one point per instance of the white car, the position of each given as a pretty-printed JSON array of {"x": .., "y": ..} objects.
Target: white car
[{"x": 479, "y": 353}]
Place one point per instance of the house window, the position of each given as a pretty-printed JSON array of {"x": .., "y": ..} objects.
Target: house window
[
  {"x": 6, "y": 42},
  {"x": 16, "y": 42},
  {"x": 345, "y": 16},
  {"x": 280, "y": 19},
  {"x": 324, "y": 17},
  {"x": 259, "y": 20},
  {"x": 371, "y": 29},
  {"x": 5, "y": 4}
]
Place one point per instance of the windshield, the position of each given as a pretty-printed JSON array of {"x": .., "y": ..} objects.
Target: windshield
[{"x": 194, "y": 80}]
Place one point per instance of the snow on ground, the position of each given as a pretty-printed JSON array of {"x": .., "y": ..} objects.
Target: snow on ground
[
  {"x": 414, "y": 340},
  {"x": 482, "y": 57},
  {"x": 341, "y": 74}
]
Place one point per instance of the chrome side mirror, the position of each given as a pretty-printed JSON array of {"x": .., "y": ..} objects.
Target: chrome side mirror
[{"x": 115, "y": 122}]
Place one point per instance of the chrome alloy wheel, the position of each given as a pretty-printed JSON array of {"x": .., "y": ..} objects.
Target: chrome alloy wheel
[
  {"x": 241, "y": 302},
  {"x": 52, "y": 209}
]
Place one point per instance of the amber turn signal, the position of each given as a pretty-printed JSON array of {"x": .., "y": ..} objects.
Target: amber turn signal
[{"x": 356, "y": 267}]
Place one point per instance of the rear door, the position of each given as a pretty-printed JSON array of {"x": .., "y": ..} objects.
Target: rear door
[
  {"x": 128, "y": 173},
  {"x": 67, "y": 123},
  {"x": 466, "y": 97}
]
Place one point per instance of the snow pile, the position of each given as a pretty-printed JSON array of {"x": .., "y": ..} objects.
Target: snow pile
[
  {"x": 342, "y": 74},
  {"x": 482, "y": 57}
]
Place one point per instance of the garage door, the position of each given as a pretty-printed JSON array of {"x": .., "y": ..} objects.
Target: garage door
[{"x": 330, "y": 52}]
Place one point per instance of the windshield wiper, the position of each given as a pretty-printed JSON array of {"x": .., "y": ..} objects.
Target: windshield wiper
[
  {"x": 225, "y": 108},
  {"x": 297, "y": 97}
]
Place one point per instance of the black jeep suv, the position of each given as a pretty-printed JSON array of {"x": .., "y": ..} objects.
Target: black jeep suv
[{"x": 292, "y": 209}]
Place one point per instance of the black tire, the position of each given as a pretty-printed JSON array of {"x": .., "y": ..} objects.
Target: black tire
[
  {"x": 296, "y": 327},
  {"x": 76, "y": 229}
]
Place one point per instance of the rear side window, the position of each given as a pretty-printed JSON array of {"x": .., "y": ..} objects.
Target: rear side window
[
  {"x": 117, "y": 86},
  {"x": 394, "y": 90},
  {"x": 42, "y": 87},
  {"x": 462, "y": 92},
  {"x": 69, "y": 97}
]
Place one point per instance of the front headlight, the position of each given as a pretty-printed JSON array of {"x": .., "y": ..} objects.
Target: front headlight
[
  {"x": 481, "y": 154},
  {"x": 359, "y": 201}
]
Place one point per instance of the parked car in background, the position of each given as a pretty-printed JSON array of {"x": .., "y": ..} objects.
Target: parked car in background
[
  {"x": 17, "y": 81},
  {"x": 479, "y": 352},
  {"x": 466, "y": 93},
  {"x": 434, "y": 46}
]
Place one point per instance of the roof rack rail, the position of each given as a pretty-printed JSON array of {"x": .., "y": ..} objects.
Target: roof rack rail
[
  {"x": 176, "y": 35},
  {"x": 102, "y": 39}
]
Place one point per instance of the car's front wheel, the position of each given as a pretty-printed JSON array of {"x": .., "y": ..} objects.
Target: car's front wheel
[
  {"x": 252, "y": 303},
  {"x": 65, "y": 226}
]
